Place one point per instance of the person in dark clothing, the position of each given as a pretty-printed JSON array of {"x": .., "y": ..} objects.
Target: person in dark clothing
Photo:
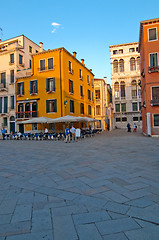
[{"x": 128, "y": 127}]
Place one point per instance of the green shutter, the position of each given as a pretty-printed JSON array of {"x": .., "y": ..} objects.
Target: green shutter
[
  {"x": 5, "y": 104},
  {"x": 0, "y": 104},
  {"x": 22, "y": 88},
  {"x": 55, "y": 105},
  {"x": 36, "y": 86},
  {"x": 47, "y": 106}
]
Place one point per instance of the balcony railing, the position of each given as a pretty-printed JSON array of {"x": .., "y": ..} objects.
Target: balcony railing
[
  {"x": 27, "y": 114},
  {"x": 155, "y": 102},
  {"x": 3, "y": 87},
  {"x": 153, "y": 69}
]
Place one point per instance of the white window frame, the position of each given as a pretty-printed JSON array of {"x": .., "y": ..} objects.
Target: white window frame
[
  {"x": 39, "y": 65},
  {"x": 153, "y": 53},
  {"x": 149, "y": 36},
  {"x": 48, "y": 63},
  {"x": 153, "y": 120}
]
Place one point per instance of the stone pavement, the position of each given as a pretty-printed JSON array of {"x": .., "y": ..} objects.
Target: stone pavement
[{"x": 101, "y": 188}]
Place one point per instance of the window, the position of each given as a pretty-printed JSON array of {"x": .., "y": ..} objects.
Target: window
[
  {"x": 137, "y": 49},
  {"x": 118, "y": 119},
  {"x": 20, "y": 110},
  {"x": 152, "y": 34},
  {"x": 70, "y": 66},
  {"x": 140, "y": 118},
  {"x": 42, "y": 65},
  {"x": 97, "y": 93},
  {"x": 123, "y": 107},
  {"x": 88, "y": 79},
  {"x": 140, "y": 106},
  {"x": 134, "y": 89},
  {"x": 124, "y": 119},
  {"x": 33, "y": 87},
  {"x": 20, "y": 88},
  {"x": 34, "y": 109},
  {"x": 97, "y": 109},
  {"x": 70, "y": 86},
  {"x": 3, "y": 79},
  {"x": 138, "y": 63},
  {"x": 80, "y": 73},
  {"x": 92, "y": 82},
  {"x": 155, "y": 95},
  {"x": 131, "y": 49},
  {"x": 71, "y": 106},
  {"x": 51, "y": 105},
  {"x": 135, "y": 119},
  {"x": 115, "y": 51},
  {"x": 121, "y": 65},
  {"x": 89, "y": 94},
  {"x": 50, "y": 63},
  {"x": 30, "y": 49},
  {"x": 115, "y": 66},
  {"x": 82, "y": 108},
  {"x": 134, "y": 106},
  {"x": 153, "y": 59},
  {"x": 34, "y": 126},
  {"x": 12, "y": 58},
  {"x": 5, "y": 108},
  {"x": 29, "y": 63},
  {"x": 92, "y": 97},
  {"x": 132, "y": 64},
  {"x": 11, "y": 76},
  {"x": 89, "y": 110},
  {"x": 0, "y": 104},
  {"x": 120, "y": 51},
  {"x": 12, "y": 102},
  {"x": 122, "y": 89},
  {"x": 117, "y": 107},
  {"x": 27, "y": 110},
  {"x": 116, "y": 89},
  {"x": 20, "y": 59},
  {"x": 99, "y": 124},
  {"x": 81, "y": 91},
  {"x": 156, "y": 120},
  {"x": 52, "y": 126},
  {"x": 50, "y": 85},
  {"x": 36, "y": 51},
  {"x": 5, "y": 121},
  {"x": 139, "y": 93}
]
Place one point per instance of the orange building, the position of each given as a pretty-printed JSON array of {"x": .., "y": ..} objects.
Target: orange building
[{"x": 149, "y": 51}]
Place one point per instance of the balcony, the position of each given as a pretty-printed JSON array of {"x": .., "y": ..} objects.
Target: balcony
[
  {"x": 155, "y": 102},
  {"x": 3, "y": 87},
  {"x": 154, "y": 69},
  {"x": 27, "y": 114}
]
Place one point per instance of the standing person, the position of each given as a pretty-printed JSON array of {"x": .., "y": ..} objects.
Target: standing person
[
  {"x": 3, "y": 133},
  {"x": 46, "y": 133},
  {"x": 73, "y": 131},
  {"x": 67, "y": 134},
  {"x": 135, "y": 127},
  {"x": 129, "y": 128}
]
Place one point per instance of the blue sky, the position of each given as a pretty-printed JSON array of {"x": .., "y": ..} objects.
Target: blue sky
[{"x": 87, "y": 27}]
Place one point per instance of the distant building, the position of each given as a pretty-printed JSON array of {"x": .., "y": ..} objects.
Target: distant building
[
  {"x": 126, "y": 92},
  {"x": 149, "y": 51},
  {"x": 59, "y": 85},
  {"x": 103, "y": 109},
  {"x": 15, "y": 55}
]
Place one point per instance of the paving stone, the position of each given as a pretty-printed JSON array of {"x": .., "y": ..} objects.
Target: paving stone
[
  {"x": 33, "y": 236},
  {"x": 116, "y": 215},
  {"x": 68, "y": 210},
  {"x": 137, "y": 186},
  {"x": 15, "y": 228},
  {"x": 115, "y": 197},
  {"x": 88, "y": 231},
  {"x": 22, "y": 213},
  {"x": 5, "y": 218},
  {"x": 144, "y": 233},
  {"x": 41, "y": 220},
  {"x": 63, "y": 228},
  {"x": 116, "y": 236},
  {"x": 25, "y": 198},
  {"x": 116, "y": 207},
  {"x": 141, "y": 202},
  {"x": 8, "y": 206},
  {"x": 90, "y": 217},
  {"x": 116, "y": 226}
]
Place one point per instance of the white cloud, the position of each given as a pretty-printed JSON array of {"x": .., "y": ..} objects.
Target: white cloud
[{"x": 55, "y": 25}]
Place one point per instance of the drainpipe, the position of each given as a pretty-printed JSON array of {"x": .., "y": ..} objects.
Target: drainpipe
[{"x": 60, "y": 82}]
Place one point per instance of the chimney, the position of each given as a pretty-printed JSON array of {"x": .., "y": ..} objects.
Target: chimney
[
  {"x": 105, "y": 79},
  {"x": 82, "y": 60},
  {"x": 41, "y": 46},
  {"x": 90, "y": 69},
  {"x": 74, "y": 54}
]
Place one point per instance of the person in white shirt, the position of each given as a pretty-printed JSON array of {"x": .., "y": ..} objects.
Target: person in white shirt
[
  {"x": 73, "y": 131},
  {"x": 46, "y": 130}
]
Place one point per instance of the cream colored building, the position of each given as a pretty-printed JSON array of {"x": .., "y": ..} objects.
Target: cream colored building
[
  {"x": 15, "y": 61},
  {"x": 103, "y": 108},
  {"x": 126, "y": 90}
]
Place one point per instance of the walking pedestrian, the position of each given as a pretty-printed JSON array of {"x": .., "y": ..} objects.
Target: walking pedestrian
[
  {"x": 67, "y": 134},
  {"x": 129, "y": 127},
  {"x": 73, "y": 131},
  {"x": 3, "y": 133}
]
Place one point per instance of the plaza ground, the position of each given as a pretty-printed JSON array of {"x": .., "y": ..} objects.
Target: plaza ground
[{"x": 101, "y": 188}]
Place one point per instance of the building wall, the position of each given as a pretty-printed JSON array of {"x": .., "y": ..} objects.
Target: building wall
[
  {"x": 18, "y": 45},
  {"x": 150, "y": 78},
  {"x": 125, "y": 52}
]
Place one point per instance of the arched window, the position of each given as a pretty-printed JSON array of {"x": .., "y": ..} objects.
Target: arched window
[
  {"x": 121, "y": 65},
  {"x": 116, "y": 89},
  {"x": 132, "y": 64},
  {"x": 122, "y": 89},
  {"x": 138, "y": 63},
  {"x": 115, "y": 66},
  {"x": 12, "y": 119},
  {"x": 134, "y": 89}
]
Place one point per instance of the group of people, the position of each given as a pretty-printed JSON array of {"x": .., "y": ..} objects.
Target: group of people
[
  {"x": 129, "y": 127},
  {"x": 67, "y": 134}
]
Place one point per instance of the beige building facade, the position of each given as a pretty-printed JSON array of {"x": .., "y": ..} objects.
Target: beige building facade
[
  {"x": 103, "y": 107},
  {"x": 126, "y": 90},
  {"x": 15, "y": 61}
]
